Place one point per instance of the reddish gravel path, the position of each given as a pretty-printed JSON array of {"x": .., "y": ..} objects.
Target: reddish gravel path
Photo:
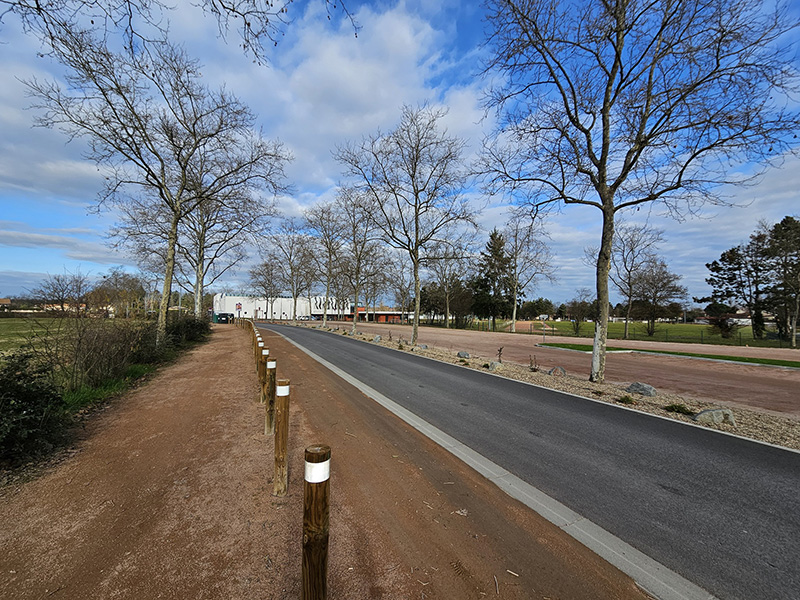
[{"x": 167, "y": 495}]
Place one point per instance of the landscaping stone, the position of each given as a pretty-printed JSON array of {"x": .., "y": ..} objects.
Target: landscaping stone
[
  {"x": 377, "y": 338},
  {"x": 557, "y": 371},
  {"x": 463, "y": 354},
  {"x": 716, "y": 416},
  {"x": 423, "y": 346},
  {"x": 495, "y": 366},
  {"x": 642, "y": 389}
]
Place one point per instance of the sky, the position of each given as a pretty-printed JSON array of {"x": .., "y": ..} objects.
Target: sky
[{"x": 323, "y": 86}]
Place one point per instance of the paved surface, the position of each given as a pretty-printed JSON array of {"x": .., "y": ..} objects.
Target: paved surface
[{"x": 721, "y": 511}]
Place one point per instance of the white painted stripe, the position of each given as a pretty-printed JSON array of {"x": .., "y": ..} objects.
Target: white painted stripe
[
  {"x": 271, "y": 364},
  {"x": 656, "y": 579},
  {"x": 282, "y": 390},
  {"x": 265, "y": 352},
  {"x": 318, "y": 472}
]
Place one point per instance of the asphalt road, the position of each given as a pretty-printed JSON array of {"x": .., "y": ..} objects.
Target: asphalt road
[{"x": 721, "y": 511}]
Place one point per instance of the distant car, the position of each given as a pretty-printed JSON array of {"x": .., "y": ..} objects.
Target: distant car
[{"x": 225, "y": 318}]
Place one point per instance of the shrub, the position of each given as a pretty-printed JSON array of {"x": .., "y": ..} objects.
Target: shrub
[
  {"x": 32, "y": 411},
  {"x": 187, "y": 329},
  {"x": 626, "y": 400},
  {"x": 679, "y": 408}
]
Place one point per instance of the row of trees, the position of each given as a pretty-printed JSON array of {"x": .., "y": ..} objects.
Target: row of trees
[
  {"x": 118, "y": 293},
  {"x": 761, "y": 275},
  {"x": 611, "y": 105},
  {"x": 185, "y": 168},
  {"x": 340, "y": 250}
]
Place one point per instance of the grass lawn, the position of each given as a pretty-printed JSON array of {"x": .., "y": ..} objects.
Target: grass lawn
[
  {"x": 689, "y": 333},
  {"x": 743, "y": 359},
  {"x": 14, "y": 332}
]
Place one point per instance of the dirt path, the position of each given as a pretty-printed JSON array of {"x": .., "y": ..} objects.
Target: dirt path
[
  {"x": 168, "y": 496},
  {"x": 770, "y": 389}
]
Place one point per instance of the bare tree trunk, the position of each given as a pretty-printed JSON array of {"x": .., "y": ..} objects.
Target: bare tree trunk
[
  {"x": 601, "y": 326},
  {"x": 199, "y": 284},
  {"x": 417, "y": 286},
  {"x": 628, "y": 316},
  {"x": 166, "y": 291},
  {"x": 325, "y": 307},
  {"x": 356, "y": 290},
  {"x": 514, "y": 310}
]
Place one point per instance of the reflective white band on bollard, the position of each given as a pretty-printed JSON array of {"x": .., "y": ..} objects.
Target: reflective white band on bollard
[
  {"x": 318, "y": 472},
  {"x": 271, "y": 364},
  {"x": 265, "y": 352},
  {"x": 282, "y": 390}
]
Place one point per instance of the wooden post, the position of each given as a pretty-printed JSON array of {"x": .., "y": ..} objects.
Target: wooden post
[
  {"x": 316, "y": 511},
  {"x": 269, "y": 422},
  {"x": 262, "y": 374},
  {"x": 259, "y": 349},
  {"x": 281, "y": 480}
]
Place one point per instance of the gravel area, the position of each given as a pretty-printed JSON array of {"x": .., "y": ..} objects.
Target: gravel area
[{"x": 769, "y": 428}]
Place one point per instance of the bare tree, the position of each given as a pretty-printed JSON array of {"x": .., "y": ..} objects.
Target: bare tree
[
  {"x": 530, "y": 258},
  {"x": 655, "y": 286},
  {"x": 265, "y": 279},
  {"x": 633, "y": 248},
  {"x": 360, "y": 246},
  {"x": 292, "y": 253},
  {"x": 620, "y": 103},
  {"x": 448, "y": 263},
  {"x": 325, "y": 223},
  {"x": 415, "y": 181},
  {"x": 68, "y": 291},
  {"x": 137, "y": 24},
  {"x": 155, "y": 128}
]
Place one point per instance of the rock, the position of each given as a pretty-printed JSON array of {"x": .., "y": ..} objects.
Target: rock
[
  {"x": 495, "y": 366},
  {"x": 716, "y": 416},
  {"x": 423, "y": 346},
  {"x": 463, "y": 354},
  {"x": 642, "y": 389},
  {"x": 377, "y": 338},
  {"x": 557, "y": 371}
]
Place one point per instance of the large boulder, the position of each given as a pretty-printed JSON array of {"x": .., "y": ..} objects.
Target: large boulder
[
  {"x": 642, "y": 389},
  {"x": 716, "y": 416},
  {"x": 463, "y": 354}
]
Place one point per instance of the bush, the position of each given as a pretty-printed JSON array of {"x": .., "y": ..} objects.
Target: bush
[
  {"x": 679, "y": 408},
  {"x": 32, "y": 413},
  {"x": 186, "y": 329}
]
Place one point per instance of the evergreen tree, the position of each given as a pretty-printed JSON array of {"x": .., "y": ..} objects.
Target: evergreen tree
[{"x": 493, "y": 285}]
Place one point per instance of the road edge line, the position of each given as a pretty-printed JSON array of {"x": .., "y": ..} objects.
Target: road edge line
[{"x": 653, "y": 577}]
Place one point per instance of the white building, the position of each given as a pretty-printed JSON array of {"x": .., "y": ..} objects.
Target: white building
[{"x": 252, "y": 307}]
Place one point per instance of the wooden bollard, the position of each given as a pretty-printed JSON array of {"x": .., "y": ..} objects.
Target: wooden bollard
[
  {"x": 316, "y": 511},
  {"x": 262, "y": 375},
  {"x": 269, "y": 404},
  {"x": 260, "y": 345},
  {"x": 281, "y": 481}
]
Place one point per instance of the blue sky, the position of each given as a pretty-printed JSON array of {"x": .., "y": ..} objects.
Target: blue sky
[{"x": 323, "y": 87}]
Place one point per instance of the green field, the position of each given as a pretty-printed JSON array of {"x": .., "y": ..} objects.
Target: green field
[
  {"x": 689, "y": 333},
  {"x": 15, "y": 332}
]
